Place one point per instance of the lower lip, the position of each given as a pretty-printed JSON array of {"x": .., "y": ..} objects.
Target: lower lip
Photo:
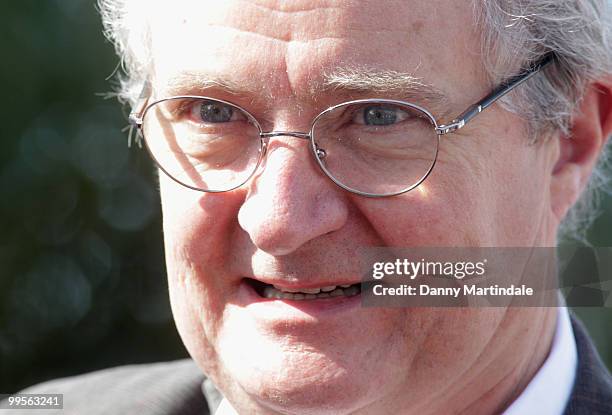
[{"x": 288, "y": 309}]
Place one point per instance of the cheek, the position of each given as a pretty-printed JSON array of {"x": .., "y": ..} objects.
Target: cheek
[
  {"x": 493, "y": 200},
  {"x": 197, "y": 226},
  {"x": 196, "y": 234},
  {"x": 515, "y": 182},
  {"x": 440, "y": 212}
]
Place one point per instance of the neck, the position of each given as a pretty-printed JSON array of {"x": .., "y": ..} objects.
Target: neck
[
  {"x": 522, "y": 360},
  {"x": 503, "y": 369}
]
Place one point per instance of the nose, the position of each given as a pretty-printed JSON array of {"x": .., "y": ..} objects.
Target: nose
[{"x": 290, "y": 202}]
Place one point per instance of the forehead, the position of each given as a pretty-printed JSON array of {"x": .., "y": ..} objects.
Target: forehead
[{"x": 283, "y": 49}]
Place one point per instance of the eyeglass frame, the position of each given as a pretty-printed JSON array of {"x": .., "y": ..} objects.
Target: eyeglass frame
[{"x": 139, "y": 111}]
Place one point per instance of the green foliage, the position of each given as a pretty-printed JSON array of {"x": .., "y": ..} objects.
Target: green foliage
[{"x": 82, "y": 276}]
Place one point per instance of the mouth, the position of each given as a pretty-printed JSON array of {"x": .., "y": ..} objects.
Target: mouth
[
  {"x": 274, "y": 291},
  {"x": 283, "y": 302}
]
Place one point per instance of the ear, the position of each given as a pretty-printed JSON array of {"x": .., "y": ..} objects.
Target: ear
[{"x": 590, "y": 128}]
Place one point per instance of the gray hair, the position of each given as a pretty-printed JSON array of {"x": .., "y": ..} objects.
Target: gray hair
[{"x": 515, "y": 33}]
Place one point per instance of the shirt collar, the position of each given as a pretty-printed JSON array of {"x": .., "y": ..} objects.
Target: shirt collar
[
  {"x": 556, "y": 377},
  {"x": 225, "y": 408}
]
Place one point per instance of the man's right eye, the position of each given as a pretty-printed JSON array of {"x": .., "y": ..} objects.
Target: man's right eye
[{"x": 211, "y": 112}]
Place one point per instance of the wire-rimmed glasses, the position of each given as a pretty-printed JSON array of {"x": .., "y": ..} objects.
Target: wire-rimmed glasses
[{"x": 371, "y": 147}]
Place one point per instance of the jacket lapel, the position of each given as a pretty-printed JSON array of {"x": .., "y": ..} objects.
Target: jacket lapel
[{"x": 592, "y": 392}]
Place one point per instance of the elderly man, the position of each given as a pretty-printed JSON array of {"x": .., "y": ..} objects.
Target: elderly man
[{"x": 292, "y": 134}]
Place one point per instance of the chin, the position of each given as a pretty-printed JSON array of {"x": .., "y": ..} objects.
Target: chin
[
  {"x": 332, "y": 390},
  {"x": 288, "y": 376}
]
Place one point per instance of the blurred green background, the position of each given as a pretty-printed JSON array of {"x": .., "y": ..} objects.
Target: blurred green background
[{"x": 82, "y": 275}]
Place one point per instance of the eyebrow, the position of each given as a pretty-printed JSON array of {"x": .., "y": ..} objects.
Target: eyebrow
[
  {"x": 191, "y": 82},
  {"x": 382, "y": 82},
  {"x": 345, "y": 81}
]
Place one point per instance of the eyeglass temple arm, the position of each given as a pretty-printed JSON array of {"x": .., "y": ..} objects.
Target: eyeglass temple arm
[
  {"x": 136, "y": 114},
  {"x": 138, "y": 109},
  {"x": 505, "y": 87}
]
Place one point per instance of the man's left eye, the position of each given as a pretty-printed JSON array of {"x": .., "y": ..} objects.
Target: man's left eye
[{"x": 380, "y": 115}]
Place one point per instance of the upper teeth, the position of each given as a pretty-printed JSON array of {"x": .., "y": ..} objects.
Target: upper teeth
[
  {"x": 311, "y": 293},
  {"x": 326, "y": 289}
]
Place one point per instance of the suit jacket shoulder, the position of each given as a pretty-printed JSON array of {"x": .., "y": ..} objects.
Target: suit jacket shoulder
[
  {"x": 167, "y": 388},
  {"x": 592, "y": 392}
]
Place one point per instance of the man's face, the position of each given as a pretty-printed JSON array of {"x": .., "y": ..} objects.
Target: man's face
[{"x": 291, "y": 226}]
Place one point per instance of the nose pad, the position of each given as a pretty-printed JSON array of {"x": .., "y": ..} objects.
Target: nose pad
[
  {"x": 263, "y": 157},
  {"x": 265, "y": 137},
  {"x": 321, "y": 153}
]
